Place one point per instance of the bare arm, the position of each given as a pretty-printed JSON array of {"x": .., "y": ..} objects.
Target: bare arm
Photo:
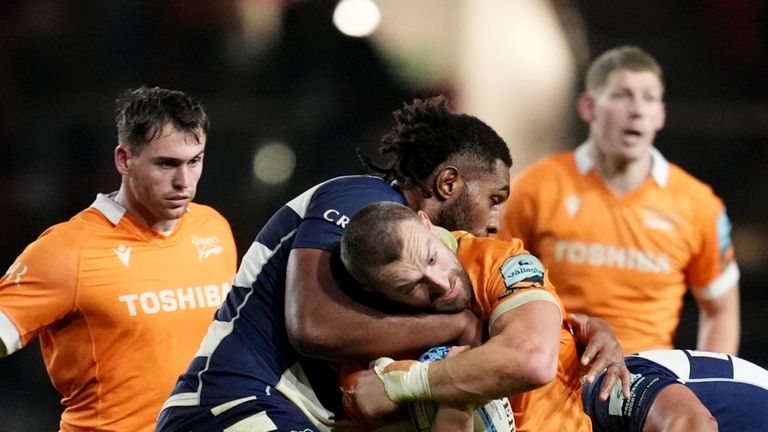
[
  {"x": 324, "y": 322},
  {"x": 454, "y": 417},
  {"x": 720, "y": 323},
  {"x": 521, "y": 355}
]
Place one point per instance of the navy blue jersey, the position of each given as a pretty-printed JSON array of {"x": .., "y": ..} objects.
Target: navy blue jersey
[
  {"x": 246, "y": 352},
  {"x": 734, "y": 390}
]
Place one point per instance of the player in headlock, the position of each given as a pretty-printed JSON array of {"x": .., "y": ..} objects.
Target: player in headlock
[
  {"x": 269, "y": 357},
  {"x": 416, "y": 265}
]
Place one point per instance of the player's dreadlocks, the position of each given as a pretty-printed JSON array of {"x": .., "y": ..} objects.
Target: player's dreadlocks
[{"x": 427, "y": 134}]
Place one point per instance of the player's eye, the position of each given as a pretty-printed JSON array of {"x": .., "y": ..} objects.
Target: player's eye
[
  {"x": 650, "y": 98},
  {"x": 167, "y": 164}
]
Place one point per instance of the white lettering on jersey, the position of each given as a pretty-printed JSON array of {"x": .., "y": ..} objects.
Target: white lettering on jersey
[
  {"x": 332, "y": 215},
  {"x": 124, "y": 253},
  {"x": 206, "y": 246},
  {"x": 16, "y": 271},
  {"x": 602, "y": 255},
  {"x": 171, "y": 300}
]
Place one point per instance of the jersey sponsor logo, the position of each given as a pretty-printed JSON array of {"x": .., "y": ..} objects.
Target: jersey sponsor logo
[
  {"x": 336, "y": 217},
  {"x": 602, "y": 255},
  {"x": 572, "y": 205},
  {"x": 124, "y": 253},
  {"x": 521, "y": 271},
  {"x": 206, "y": 246},
  {"x": 656, "y": 221},
  {"x": 172, "y": 300},
  {"x": 16, "y": 271}
]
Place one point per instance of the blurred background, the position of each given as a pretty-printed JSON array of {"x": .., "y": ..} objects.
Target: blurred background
[{"x": 293, "y": 88}]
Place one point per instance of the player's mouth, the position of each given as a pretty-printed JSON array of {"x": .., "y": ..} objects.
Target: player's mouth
[
  {"x": 178, "y": 199},
  {"x": 632, "y": 133},
  {"x": 452, "y": 292}
]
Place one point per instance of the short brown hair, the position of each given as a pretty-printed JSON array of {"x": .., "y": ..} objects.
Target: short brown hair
[
  {"x": 372, "y": 238},
  {"x": 141, "y": 114},
  {"x": 624, "y": 57}
]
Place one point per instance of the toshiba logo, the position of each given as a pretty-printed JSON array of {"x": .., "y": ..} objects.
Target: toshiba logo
[
  {"x": 171, "y": 300},
  {"x": 602, "y": 255}
]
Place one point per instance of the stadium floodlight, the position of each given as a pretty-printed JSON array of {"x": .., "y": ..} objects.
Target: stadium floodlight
[{"x": 356, "y": 18}]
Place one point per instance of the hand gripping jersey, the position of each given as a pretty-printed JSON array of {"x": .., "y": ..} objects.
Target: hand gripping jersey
[
  {"x": 119, "y": 309},
  {"x": 734, "y": 390},
  {"x": 246, "y": 355},
  {"x": 625, "y": 259},
  {"x": 504, "y": 276}
]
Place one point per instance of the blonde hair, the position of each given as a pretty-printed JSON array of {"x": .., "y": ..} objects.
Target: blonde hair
[{"x": 624, "y": 57}]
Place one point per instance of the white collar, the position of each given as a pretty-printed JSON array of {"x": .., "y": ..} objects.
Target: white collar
[
  {"x": 659, "y": 166},
  {"x": 107, "y": 206}
]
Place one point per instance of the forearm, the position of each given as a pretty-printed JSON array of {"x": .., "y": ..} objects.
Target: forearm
[
  {"x": 491, "y": 371},
  {"x": 720, "y": 324},
  {"x": 521, "y": 356},
  {"x": 719, "y": 333},
  {"x": 347, "y": 334},
  {"x": 323, "y": 322}
]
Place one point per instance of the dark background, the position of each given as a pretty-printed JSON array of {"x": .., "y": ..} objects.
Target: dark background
[{"x": 62, "y": 63}]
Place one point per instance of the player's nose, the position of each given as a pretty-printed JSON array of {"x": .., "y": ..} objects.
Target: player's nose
[{"x": 438, "y": 282}]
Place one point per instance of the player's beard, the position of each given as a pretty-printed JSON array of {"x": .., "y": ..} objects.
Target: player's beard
[
  {"x": 456, "y": 215},
  {"x": 462, "y": 299}
]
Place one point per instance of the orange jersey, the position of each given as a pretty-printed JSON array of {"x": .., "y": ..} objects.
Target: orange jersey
[
  {"x": 119, "y": 309},
  {"x": 556, "y": 406},
  {"x": 625, "y": 259}
]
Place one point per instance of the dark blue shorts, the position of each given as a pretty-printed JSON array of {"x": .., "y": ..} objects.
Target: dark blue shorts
[
  {"x": 254, "y": 415},
  {"x": 734, "y": 390}
]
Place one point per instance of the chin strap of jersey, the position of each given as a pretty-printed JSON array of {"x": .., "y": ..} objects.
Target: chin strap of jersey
[{"x": 404, "y": 380}]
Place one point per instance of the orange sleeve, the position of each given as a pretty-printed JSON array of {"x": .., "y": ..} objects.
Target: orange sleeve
[
  {"x": 715, "y": 249},
  {"x": 40, "y": 286},
  {"x": 504, "y": 275}
]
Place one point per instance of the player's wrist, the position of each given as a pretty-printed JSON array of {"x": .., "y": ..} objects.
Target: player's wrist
[{"x": 405, "y": 380}]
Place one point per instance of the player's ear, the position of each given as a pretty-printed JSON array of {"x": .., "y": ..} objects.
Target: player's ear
[
  {"x": 425, "y": 219},
  {"x": 448, "y": 182},
  {"x": 122, "y": 158},
  {"x": 585, "y": 105}
]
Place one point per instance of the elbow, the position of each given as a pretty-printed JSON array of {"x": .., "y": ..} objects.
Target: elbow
[
  {"x": 537, "y": 368},
  {"x": 301, "y": 337},
  {"x": 542, "y": 369},
  {"x": 308, "y": 340}
]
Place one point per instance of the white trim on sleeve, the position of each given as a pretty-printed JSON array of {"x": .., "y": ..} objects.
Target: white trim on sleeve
[
  {"x": 9, "y": 335},
  {"x": 521, "y": 299},
  {"x": 724, "y": 283}
]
